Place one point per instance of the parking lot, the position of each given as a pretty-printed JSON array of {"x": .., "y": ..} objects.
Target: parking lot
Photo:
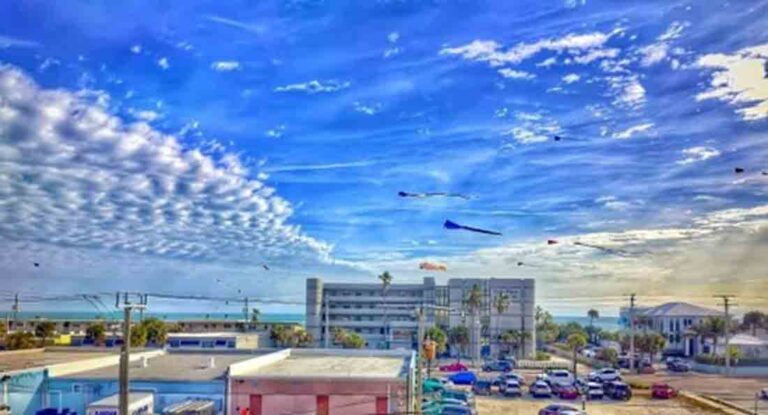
[{"x": 638, "y": 405}]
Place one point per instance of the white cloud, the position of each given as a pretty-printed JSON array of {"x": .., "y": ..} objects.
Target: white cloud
[
  {"x": 315, "y": 167},
  {"x": 571, "y": 78},
  {"x": 740, "y": 80},
  {"x": 696, "y": 154},
  {"x": 658, "y": 51},
  {"x": 370, "y": 109},
  {"x": 10, "y": 42},
  {"x": 145, "y": 115},
  {"x": 631, "y": 131},
  {"x": 628, "y": 91},
  {"x": 393, "y": 37},
  {"x": 163, "y": 63},
  {"x": 546, "y": 63},
  {"x": 93, "y": 181},
  {"x": 673, "y": 31},
  {"x": 596, "y": 54},
  {"x": 314, "y": 87},
  {"x": 225, "y": 66},
  {"x": 572, "y": 4},
  {"x": 492, "y": 52},
  {"x": 391, "y": 52},
  {"x": 276, "y": 132},
  {"x": 533, "y": 127},
  {"x": 136, "y": 49},
  {"x": 513, "y": 74},
  {"x": 501, "y": 112}
]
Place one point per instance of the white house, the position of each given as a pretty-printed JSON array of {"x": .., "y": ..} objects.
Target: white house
[
  {"x": 750, "y": 347},
  {"x": 673, "y": 321}
]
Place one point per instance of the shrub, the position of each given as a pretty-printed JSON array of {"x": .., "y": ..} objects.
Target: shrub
[{"x": 542, "y": 356}]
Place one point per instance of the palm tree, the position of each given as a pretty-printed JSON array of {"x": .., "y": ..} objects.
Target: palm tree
[
  {"x": 474, "y": 302},
  {"x": 576, "y": 342},
  {"x": 386, "y": 282},
  {"x": 45, "y": 330},
  {"x": 255, "y": 315},
  {"x": 459, "y": 336},
  {"x": 509, "y": 339},
  {"x": 501, "y": 303},
  {"x": 593, "y": 315}
]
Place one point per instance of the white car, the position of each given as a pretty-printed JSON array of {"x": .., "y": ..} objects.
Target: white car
[
  {"x": 607, "y": 374},
  {"x": 560, "y": 377},
  {"x": 540, "y": 389},
  {"x": 511, "y": 388},
  {"x": 594, "y": 391}
]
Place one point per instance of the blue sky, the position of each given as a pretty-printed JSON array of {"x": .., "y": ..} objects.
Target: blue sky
[{"x": 177, "y": 146}]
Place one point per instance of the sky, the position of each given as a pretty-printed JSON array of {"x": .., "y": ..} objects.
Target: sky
[{"x": 186, "y": 147}]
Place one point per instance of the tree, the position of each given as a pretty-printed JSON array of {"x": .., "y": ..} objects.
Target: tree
[
  {"x": 138, "y": 336},
  {"x": 3, "y": 330},
  {"x": 593, "y": 315},
  {"x": 734, "y": 353},
  {"x": 473, "y": 303},
  {"x": 651, "y": 343},
  {"x": 96, "y": 332},
  {"x": 280, "y": 335},
  {"x": 301, "y": 338},
  {"x": 386, "y": 282},
  {"x": 156, "y": 331},
  {"x": 353, "y": 341},
  {"x": 255, "y": 316},
  {"x": 45, "y": 330},
  {"x": 459, "y": 337},
  {"x": 711, "y": 327},
  {"x": 565, "y": 330},
  {"x": 547, "y": 331},
  {"x": 609, "y": 355},
  {"x": 576, "y": 342},
  {"x": 437, "y": 335},
  {"x": 20, "y": 340},
  {"x": 753, "y": 320},
  {"x": 501, "y": 304}
]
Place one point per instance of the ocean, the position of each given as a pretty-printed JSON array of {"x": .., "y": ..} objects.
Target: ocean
[{"x": 605, "y": 323}]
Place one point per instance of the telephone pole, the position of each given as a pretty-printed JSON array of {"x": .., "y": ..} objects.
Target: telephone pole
[
  {"x": 632, "y": 331},
  {"x": 327, "y": 325},
  {"x": 16, "y": 308},
  {"x": 522, "y": 323},
  {"x": 727, "y": 305},
  {"x": 125, "y": 355}
]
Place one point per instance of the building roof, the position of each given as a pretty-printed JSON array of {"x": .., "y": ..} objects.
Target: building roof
[
  {"x": 207, "y": 335},
  {"x": 173, "y": 366},
  {"x": 114, "y": 400},
  {"x": 39, "y": 358},
  {"x": 743, "y": 339},
  {"x": 336, "y": 364},
  {"x": 679, "y": 309}
]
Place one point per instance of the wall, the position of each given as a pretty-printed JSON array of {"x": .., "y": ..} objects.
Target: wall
[
  {"x": 25, "y": 392},
  {"x": 737, "y": 371},
  {"x": 76, "y": 394}
]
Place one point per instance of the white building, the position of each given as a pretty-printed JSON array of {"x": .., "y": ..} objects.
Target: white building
[
  {"x": 389, "y": 320},
  {"x": 673, "y": 321}
]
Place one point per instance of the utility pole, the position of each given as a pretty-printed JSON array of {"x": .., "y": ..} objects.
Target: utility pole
[
  {"x": 522, "y": 323},
  {"x": 727, "y": 305},
  {"x": 419, "y": 357},
  {"x": 16, "y": 308},
  {"x": 125, "y": 356},
  {"x": 632, "y": 332},
  {"x": 246, "y": 311}
]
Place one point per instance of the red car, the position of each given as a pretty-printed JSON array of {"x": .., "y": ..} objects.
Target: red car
[
  {"x": 453, "y": 367},
  {"x": 565, "y": 391},
  {"x": 663, "y": 391}
]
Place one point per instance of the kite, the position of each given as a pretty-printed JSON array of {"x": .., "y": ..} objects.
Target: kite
[
  {"x": 601, "y": 248},
  {"x": 558, "y": 138},
  {"x": 453, "y": 225},
  {"x": 519, "y": 264},
  {"x": 552, "y": 242},
  {"x": 432, "y": 266},
  {"x": 764, "y": 173},
  {"x": 36, "y": 264},
  {"x": 738, "y": 170},
  {"x": 266, "y": 268},
  {"x": 432, "y": 194}
]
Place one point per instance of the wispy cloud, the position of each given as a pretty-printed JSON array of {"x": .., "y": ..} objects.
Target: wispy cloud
[
  {"x": 10, "y": 42},
  {"x": 571, "y": 78},
  {"x": 513, "y": 74},
  {"x": 276, "y": 132},
  {"x": 370, "y": 109},
  {"x": 632, "y": 131},
  {"x": 315, "y": 167},
  {"x": 248, "y": 27},
  {"x": 314, "y": 87},
  {"x": 163, "y": 63},
  {"x": 533, "y": 127},
  {"x": 225, "y": 66},
  {"x": 699, "y": 153}
]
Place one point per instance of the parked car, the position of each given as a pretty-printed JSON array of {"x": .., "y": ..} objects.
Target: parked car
[
  {"x": 764, "y": 394},
  {"x": 560, "y": 377},
  {"x": 453, "y": 367},
  {"x": 511, "y": 388},
  {"x": 452, "y": 401},
  {"x": 457, "y": 410},
  {"x": 463, "y": 378},
  {"x": 432, "y": 385},
  {"x": 560, "y": 409},
  {"x": 541, "y": 389},
  {"x": 462, "y": 395},
  {"x": 564, "y": 391},
  {"x": 606, "y": 374},
  {"x": 482, "y": 387},
  {"x": 663, "y": 391},
  {"x": 503, "y": 378},
  {"x": 678, "y": 365},
  {"x": 497, "y": 366},
  {"x": 617, "y": 390},
  {"x": 594, "y": 391}
]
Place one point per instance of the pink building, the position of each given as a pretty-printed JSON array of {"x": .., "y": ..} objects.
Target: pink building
[{"x": 323, "y": 382}]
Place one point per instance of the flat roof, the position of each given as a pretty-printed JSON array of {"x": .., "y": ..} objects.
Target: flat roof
[
  {"x": 219, "y": 334},
  {"x": 173, "y": 366},
  {"x": 332, "y": 366},
  {"x": 39, "y": 358},
  {"x": 114, "y": 400}
]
